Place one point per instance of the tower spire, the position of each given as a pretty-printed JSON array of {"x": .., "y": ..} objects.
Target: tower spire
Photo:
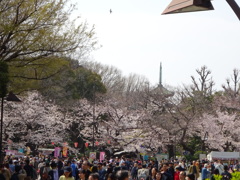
[{"x": 160, "y": 76}]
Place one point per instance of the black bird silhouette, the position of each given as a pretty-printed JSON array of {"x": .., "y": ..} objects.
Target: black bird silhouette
[{"x": 110, "y": 11}]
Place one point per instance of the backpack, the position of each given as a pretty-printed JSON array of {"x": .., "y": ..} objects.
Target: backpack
[
  {"x": 143, "y": 174},
  {"x": 45, "y": 174}
]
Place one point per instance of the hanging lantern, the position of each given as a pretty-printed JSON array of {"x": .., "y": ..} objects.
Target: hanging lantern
[
  {"x": 76, "y": 144},
  {"x": 96, "y": 143},
  {"x": 86, "y": 144},
  {"x": 109, "y": 142},
  {"x": 52, "y": 143}
]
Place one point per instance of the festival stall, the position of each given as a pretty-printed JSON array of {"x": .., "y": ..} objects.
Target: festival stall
[{"x": 225, "y": 156}]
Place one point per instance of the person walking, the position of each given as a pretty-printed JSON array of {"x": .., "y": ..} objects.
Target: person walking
[
  {"x": 82, "y": 174},
  {"x": 17, "y": 175},
  {"x": 134, "y": 171},
  {"x": 226, "y": 175},
  {"x": 6, "y": 173},
  {"x": 193, "y": 169},
  {"x": 165, "y": 173},
  {"x": 205, "y": 172},
  {"x": 219, "y": 166},
  {"x": 67, "y": 175},
  {"x": 55, "y": 173},
  {"x": 28, "y": 169},
  {"x": 182, "y": 175},
  {"x": 101, "y": 171},
  {"x": 215, "y": 174},
  {"x": 74, "y": 168}
]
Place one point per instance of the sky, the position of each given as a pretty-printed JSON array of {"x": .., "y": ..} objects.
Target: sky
[{"x": 135, "y": 38}]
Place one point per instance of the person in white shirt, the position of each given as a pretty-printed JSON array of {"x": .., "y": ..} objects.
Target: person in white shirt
[{"x": 219, "y": 166}]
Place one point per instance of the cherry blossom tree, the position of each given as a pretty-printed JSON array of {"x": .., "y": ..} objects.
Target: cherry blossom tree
[
  {"x": 222, "y": 131},
  {"x": 140, "y": 118},
  {"x": 33, "y": 120}
]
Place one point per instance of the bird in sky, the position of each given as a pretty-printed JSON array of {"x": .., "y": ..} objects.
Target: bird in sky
[{"x": 110, "y": 11}]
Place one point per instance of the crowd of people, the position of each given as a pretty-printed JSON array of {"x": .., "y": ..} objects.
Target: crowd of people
[{"x": 50, "y": 168}]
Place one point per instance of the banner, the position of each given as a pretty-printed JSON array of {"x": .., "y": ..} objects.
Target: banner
[
  {"x": 145, "y": 157},
  {"x": 10, "y": 152},
  {"x": 102, "y": 156},
  {"x": 65, "y": 149},
  {"x": 161, "y": 156},
  {"x": 14, "y": 153},
  {"x": 92, "y": 156},
  {"x": 46, "y": 151},
  {"x": 57, "y": 151},
  {"x": 21, "y": 150}
]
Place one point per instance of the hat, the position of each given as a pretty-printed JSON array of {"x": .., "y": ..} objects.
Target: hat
[
  {"x": 67, "y": 169},
  {"x": 180, "y": 168},
  {"x": 18, "y": 168},
  {"x": 53, "y": 164}
]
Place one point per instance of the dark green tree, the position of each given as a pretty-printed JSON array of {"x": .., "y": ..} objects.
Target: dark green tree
[{"x": 74, "y": 82}]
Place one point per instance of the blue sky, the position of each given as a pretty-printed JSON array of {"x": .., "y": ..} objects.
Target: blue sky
[{"x": 135, "y": 38}]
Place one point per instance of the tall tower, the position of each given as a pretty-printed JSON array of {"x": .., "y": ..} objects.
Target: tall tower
[
  {"x": 160, "y": 89},
  {"x": 160, "y": 76}
]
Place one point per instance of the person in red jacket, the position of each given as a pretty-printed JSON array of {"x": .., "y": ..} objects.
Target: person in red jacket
[{"x": 177, "y": 172}]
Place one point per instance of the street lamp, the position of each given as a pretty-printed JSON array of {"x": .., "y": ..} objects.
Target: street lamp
[
  {"x": 205, "y": 138},
  {"x": 10, "y": 97},
  {"x": 181, "y": 6},
  {"x": 94, "y": 110}
]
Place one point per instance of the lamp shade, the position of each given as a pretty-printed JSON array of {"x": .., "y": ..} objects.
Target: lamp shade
[
  {"x": 12, "y": 97},
  {"x": 181, "y": 6}
]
